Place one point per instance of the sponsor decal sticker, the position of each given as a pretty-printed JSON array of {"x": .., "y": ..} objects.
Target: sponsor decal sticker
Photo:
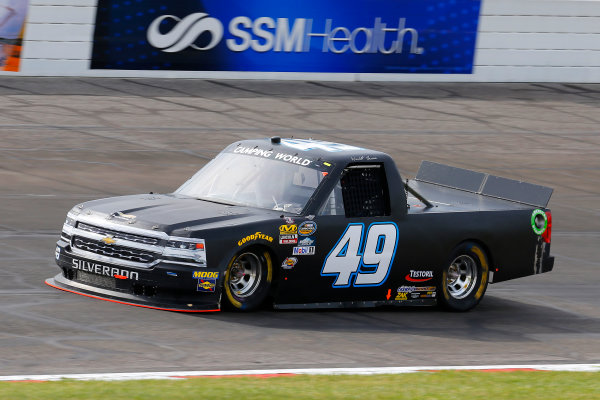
[
  {"x": 307, "y": 228},
  {"x": 306, "y": 241},
  {"x": 206, "y": 285},
  {"x": 253, "y": 237},
  {"x": 304, "y": 250},
  {"x": 418, "y": 291},
  {"x": 104, "y": 270},
  {"x": 207, "y": 280},
  {"x": 406, "y": 289},
  {"x": 288, "y": 239},
  {"x": 205, "y": 274},
  {"x": 419, "y": 276},
  {"x": 539, "y": 221},
  {"x": 288, "y": 229},
  {"x": 291, "y": 158},
  {"x": 401, "y": 296},
  {"x": 289, "y": 263},
  {"x": 288, "y": 220}
]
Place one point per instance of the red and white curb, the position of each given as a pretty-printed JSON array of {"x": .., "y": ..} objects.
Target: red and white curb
[{"x": 268, "y": 373}]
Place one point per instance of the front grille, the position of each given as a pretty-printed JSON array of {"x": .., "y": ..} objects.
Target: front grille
[
  {"x": 96, "y": 280},
  {"x": 119, "y": 252},
  {"x": 118, "y": 235}
]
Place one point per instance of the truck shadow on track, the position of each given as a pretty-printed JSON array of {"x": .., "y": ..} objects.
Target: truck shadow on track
[{"x": 496, "y": 319}]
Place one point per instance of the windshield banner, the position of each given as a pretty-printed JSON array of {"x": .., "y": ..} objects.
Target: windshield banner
[
  {"x": 12, "y": 26},
  {"x": 351, "y": 36}
]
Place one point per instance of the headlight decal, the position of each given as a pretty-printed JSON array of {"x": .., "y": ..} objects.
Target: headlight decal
[{"x": 186, "y": 248}]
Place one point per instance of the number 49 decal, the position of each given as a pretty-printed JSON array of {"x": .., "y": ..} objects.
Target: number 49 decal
[{"x": 367, "y": 256}]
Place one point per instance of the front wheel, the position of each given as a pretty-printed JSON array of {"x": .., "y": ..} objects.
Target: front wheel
[
  {"x": 248, "y": 280},
  {"x": 465, "y": 279}
]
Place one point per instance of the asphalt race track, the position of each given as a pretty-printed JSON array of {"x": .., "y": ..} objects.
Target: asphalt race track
[{"x": 64, "y": 141}]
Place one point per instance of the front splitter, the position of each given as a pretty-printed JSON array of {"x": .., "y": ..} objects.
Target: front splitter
[{"x": 60, "y": 282}]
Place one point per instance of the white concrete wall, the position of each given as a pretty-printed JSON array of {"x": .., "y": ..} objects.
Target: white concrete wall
[{"x": 518, "y": 41}]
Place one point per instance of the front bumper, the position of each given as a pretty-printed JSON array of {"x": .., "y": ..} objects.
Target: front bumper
[{"x": 164, "y": 286}]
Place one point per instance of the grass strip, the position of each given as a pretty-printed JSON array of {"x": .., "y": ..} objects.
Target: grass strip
[{"x": 445, "y": 385}]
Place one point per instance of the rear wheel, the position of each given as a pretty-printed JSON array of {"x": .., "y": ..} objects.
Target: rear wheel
[
  {"x": 464, "y": 280},
  {"x": 248, "y": 280}
]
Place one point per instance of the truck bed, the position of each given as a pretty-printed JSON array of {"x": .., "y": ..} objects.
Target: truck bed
[{"x": 447, "y": 200}]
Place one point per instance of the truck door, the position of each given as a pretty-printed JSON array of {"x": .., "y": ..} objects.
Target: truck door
[{"x": 355, "y": 244}]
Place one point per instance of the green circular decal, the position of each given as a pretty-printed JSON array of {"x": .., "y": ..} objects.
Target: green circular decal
[{"x": 539, "y": 221}]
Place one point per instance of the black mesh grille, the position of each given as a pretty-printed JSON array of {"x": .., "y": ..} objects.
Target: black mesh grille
[
  {"x": 96, "y": 280},
  {"x": 363, "y": 190},
  {"x": 120, "y": 252},
  {"x": 117, "y": 234}
]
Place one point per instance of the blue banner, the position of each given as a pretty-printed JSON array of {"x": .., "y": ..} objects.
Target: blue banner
[{"x": 356, "y": 36}]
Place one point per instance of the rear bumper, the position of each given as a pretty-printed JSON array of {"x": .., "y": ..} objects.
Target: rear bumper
[
  {"x": 165, "y": 286},
  {"x": 548, "y": 264}
]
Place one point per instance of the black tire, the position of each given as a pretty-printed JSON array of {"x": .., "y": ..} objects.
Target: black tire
[
  {"x": 464, "y": 280},
  {"x": 247, "y": 280}
]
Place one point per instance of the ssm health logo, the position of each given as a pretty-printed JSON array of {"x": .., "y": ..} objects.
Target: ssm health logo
[{"x": 298, "y": 35}]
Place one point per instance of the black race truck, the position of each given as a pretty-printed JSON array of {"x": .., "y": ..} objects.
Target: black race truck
[{"x": 307, "y": 224}]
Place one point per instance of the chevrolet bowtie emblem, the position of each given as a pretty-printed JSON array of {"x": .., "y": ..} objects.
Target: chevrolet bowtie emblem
[{"x": 109, "y": 240}]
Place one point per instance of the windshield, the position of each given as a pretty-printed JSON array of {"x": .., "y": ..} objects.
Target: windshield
[{"x": 254, "y": 181}]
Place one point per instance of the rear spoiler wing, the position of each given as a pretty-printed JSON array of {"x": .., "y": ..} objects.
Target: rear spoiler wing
[{"x": 484, "y": 184}]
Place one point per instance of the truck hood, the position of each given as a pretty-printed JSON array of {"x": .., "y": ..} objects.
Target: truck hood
[{"x": 168, "y": 213}]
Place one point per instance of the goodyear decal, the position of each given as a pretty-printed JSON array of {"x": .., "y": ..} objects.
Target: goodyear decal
[{"x": 255, "y": 236}]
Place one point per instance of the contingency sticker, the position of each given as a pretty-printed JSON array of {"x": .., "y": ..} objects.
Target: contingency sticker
[
  {"x": 207, "y": 281},
  {"x": 307, "y": 228},
  {"x": 289, "y": 263}
]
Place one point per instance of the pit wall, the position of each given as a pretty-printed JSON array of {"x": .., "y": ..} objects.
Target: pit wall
[{"x": 518, "y": 41}]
